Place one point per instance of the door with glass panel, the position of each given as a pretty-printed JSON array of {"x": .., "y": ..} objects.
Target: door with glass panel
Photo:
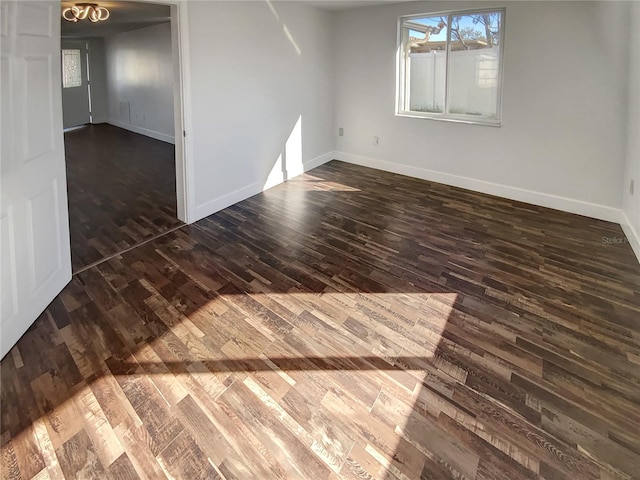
[{"x": 76, "y": 106}]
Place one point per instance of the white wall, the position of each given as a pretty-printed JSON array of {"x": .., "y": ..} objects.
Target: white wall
[
  {"x": 140, "y": 81},
  {"x": 562, "y": 140},
  {"x": 261, "y": 94},
  {"x": 631, "y": 203}
]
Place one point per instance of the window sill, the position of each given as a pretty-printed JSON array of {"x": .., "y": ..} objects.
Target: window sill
[{"x": 453, "y": 119}]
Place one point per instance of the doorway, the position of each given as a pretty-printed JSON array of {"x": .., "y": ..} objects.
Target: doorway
[
  {"x": 125, "y": 163},
  {"x": 34, "y": 214}
]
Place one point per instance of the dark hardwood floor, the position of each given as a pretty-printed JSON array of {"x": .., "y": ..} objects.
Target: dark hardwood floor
[
  {"x": 122, "y": 191},
  {"x": 347, "y": 324}
]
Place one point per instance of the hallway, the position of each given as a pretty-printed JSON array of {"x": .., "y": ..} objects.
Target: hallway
[{"x": 122, "y": 191}]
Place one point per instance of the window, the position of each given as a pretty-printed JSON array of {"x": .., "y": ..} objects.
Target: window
[
  {"x": 71, "y": 69},
  {"x": 450, "y": 66}
]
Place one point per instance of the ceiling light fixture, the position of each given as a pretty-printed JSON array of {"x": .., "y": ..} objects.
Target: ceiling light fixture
[{"x": 82, "y": 11}]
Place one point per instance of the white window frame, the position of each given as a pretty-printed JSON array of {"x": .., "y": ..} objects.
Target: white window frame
[{"x": 402, "y": 84}]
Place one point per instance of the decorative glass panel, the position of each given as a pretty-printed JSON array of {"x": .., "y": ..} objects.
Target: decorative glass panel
[{"x": 71, "y": 69}]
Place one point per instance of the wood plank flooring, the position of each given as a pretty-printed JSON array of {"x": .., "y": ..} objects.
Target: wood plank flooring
[
  {"x": 349, "y": 324},
  {"x": 122, "y": 191}
]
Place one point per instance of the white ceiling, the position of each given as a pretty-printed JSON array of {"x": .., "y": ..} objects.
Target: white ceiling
[
  {"x": 342, "y": 4},
  {"x": 126, "y": 15},
  {"x": 123, "y": 16}
]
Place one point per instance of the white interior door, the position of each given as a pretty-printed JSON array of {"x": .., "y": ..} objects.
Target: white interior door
[
  {"x": 75, "y": 84},
  {"x": 34, "y": 238}
]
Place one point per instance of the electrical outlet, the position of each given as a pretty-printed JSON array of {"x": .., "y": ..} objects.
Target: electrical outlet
[
  {"x": 631, "y": 186},
  {"x": 341, "y": 132},
  {"x": 376, "y": 140}
]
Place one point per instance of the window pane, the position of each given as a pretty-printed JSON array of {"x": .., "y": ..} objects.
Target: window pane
[
  {"x": 425, "y": 63},
  {"x": 71, "y": 69},
  {"x": 474, "y": 64}
]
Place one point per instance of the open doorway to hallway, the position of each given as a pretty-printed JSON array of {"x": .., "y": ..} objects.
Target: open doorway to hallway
[
  {"x": 118, "y": 104},
  {"x": 121, "y": 189}
]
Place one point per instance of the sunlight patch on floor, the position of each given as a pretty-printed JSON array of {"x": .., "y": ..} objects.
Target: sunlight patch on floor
[{"x": 374, "y": 372}]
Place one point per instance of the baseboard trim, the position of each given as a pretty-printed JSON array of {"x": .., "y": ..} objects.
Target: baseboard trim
[
  {"x": 231, "y": 198},
  {"x": 143, "y": 131},
  {"x": 565, "y": 204},
  {"x": 73, "y": 129},
  {"x": 633, "y": 237},
  {"x": 226, "y": 200},
  {"x": 319, "y": 160}
]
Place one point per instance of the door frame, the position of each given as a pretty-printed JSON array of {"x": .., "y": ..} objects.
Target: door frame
[{"x": 182, "y": 108}]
